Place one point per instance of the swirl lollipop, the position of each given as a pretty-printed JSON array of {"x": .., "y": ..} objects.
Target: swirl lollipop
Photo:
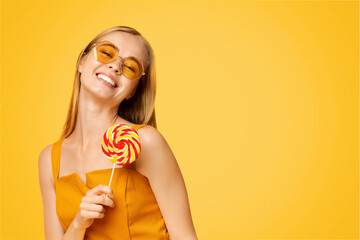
[{"x": 121, "y": 145}]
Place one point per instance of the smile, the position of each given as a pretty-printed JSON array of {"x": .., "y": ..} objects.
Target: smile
[{"x": 106, "y": 78}]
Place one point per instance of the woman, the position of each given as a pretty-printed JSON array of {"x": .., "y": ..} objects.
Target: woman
[{"x": 114, "y": 84}]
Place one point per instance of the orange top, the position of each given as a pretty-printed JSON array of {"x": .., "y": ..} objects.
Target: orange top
[{"x": 136, "y": 214}]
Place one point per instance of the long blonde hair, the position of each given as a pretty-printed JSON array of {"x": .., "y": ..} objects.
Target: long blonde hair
[{"x": 140, "y": 108}]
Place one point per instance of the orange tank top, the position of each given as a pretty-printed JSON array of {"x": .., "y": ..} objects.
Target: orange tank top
[{"x": 136, "y": 214}]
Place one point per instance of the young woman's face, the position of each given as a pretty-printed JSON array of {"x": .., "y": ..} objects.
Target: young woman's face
[{"x": 89, "y": 67}]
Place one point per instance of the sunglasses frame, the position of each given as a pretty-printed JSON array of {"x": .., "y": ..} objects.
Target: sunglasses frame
[{"x": 117, "y": 56}]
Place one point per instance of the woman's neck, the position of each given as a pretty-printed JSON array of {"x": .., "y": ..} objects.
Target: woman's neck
[{"x": 93, "y": 119}]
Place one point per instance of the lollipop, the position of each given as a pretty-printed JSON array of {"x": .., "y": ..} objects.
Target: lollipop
[{"x": 121, "y": 145}]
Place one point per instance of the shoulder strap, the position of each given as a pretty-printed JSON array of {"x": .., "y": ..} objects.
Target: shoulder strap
[
  {"x": 137, "y": 126},
  {"x": 55, "y": 158}
]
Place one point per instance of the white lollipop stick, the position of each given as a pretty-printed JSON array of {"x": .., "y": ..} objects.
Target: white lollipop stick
[{"x": 112, "y": 173}]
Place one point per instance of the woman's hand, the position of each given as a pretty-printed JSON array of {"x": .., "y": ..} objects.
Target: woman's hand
[{"x": 92, "y": 205}]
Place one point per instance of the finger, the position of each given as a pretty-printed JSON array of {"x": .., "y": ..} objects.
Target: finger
[
  {"x": 101, "y": 189},
  {"x": 92, "y": 207},
  {"x": 89, "y": 214},
  {"x": 100, "y": 199}
]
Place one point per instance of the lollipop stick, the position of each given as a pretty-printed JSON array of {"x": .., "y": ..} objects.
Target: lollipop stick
[{"x": 112, "y": 173}]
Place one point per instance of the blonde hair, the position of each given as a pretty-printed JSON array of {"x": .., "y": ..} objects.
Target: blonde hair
[{"x": 140, "y": 108}]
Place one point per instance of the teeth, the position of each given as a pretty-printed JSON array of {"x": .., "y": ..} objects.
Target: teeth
[{"x": 106, "y": 78}]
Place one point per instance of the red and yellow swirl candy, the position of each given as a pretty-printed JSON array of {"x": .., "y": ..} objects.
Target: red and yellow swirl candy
[{"x": 121, "y": 144}]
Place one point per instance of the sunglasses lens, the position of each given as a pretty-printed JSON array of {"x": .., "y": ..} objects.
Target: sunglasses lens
[
  {"x": 105, "y": 53},
  {"x": 131, "y": 68}
]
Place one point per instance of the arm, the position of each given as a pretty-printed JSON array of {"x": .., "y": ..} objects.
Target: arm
[
  {"x": 157, "y": 162},
  {"x": 53, "y": 229}
]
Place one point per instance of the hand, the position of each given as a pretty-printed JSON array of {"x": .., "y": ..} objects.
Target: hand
[{"x": 92, "y": 205}]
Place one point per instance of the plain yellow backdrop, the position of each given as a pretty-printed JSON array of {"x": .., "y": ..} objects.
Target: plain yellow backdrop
[{"x": 259, "y": 101}]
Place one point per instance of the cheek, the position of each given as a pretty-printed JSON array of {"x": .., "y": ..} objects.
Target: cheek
[
  {"x": 127, "y": 83},
  {"x": 88, "y": 73},
  {"x": 90, "y": 64},
  {"x": 134, "y": 85}
]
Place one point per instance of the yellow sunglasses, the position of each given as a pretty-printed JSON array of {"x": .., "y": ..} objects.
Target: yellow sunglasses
[{"x": 106, "y": 52}]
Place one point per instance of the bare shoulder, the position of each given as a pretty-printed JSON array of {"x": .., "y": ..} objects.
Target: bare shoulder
[
  {"x": 44, "y": 162},
  {"x": 154, "y": 151},
  {"x": 150, "y": 137},
  {"x": 155, "y": 155},
  {"x": 45, "y": 156}
]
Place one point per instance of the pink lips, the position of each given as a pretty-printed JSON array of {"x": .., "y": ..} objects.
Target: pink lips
[{"x": 108, "y": 75}]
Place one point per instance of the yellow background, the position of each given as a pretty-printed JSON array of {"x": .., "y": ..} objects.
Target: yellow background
[{"x": 259, "y": 101}]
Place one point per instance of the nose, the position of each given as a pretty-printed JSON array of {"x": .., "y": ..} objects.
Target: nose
[{"x": 116, "y": 65}]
